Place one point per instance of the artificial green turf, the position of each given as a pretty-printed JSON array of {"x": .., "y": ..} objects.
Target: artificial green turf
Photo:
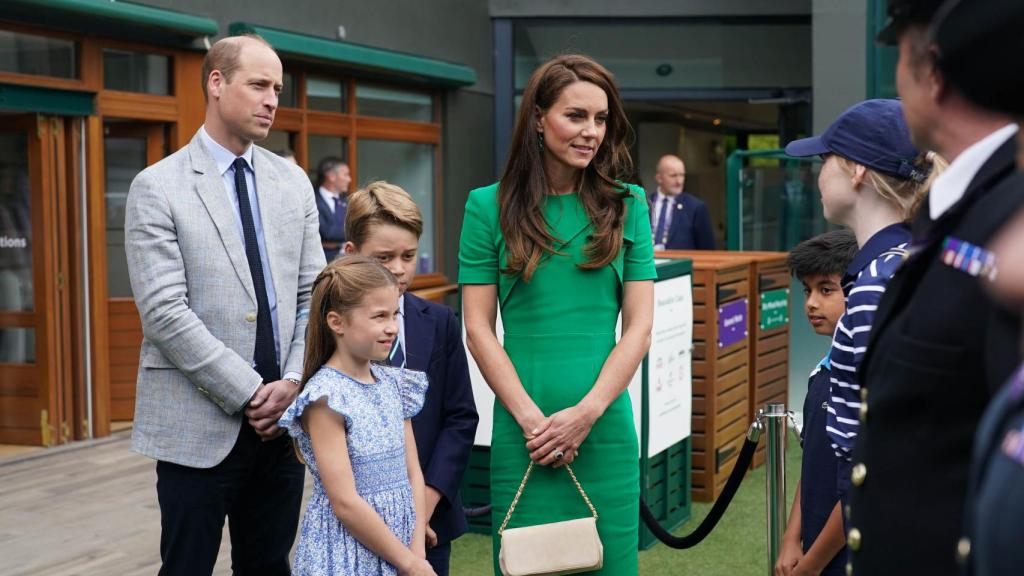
[{"x": 737, "y": 546}]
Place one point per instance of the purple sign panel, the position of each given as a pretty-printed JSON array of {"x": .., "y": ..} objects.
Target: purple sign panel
[{"x": 732, "y": 323}]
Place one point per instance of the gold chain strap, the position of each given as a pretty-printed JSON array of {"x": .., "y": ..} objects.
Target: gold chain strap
[{"x": 522, "y": 486}]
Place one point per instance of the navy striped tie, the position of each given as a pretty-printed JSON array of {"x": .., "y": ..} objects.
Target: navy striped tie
[{"x": 265, "y": 354}]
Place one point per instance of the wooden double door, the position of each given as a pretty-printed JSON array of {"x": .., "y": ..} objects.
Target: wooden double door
[{"x": 42, "y": 367}]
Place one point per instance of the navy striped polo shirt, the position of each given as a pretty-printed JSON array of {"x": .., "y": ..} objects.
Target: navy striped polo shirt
[{"x": 863, "y": 285}]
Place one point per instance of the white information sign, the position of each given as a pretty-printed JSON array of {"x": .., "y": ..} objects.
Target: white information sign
[{"x": 669, "y": 363}]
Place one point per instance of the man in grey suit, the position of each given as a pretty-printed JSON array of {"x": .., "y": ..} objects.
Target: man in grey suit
[{"x": 223, "y": 245}]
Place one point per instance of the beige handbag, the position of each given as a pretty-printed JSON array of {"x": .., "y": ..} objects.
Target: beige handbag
[{"x": 552, "y": 549}]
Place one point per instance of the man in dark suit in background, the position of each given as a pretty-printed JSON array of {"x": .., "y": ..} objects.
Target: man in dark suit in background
[
  {"x": 679, "y": 221},
  {"x": 332, "y": 181}
]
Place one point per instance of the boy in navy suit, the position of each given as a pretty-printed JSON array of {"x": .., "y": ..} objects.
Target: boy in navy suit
[
  {"x": 814, "y": 542},
  {"x": 383, "y": 222}
]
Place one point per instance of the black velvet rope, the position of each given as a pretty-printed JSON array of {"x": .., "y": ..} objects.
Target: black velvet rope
[
  {"x": 477, "y": 512},
  {"x": 717, "y": 510}
]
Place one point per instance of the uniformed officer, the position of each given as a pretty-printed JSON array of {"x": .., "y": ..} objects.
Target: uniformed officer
[
  {"x": 968, "y": 36},
  {"x": 940, "y": 346}
]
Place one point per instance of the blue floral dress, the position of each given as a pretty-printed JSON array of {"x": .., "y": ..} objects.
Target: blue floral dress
[{"x": 374, "y": 415}]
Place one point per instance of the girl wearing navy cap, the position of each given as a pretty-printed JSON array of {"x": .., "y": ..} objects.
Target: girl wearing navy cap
[{"x": 872, "y": 181}]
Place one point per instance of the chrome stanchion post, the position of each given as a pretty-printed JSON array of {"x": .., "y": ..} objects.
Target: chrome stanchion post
[{"x": 775, "y": 419}]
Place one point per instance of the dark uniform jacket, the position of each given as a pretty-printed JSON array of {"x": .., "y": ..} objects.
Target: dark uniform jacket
[
  {"x": 993, "y": 542},
  {"x": 939, "y": 350}
]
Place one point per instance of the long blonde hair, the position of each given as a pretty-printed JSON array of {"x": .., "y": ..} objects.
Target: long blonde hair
[
  {"x": 905, "y": 194},
  {"x": 340, "y": 287}
]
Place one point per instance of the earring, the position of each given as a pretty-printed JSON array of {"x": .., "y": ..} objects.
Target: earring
[{"x": 540, "y": 142}]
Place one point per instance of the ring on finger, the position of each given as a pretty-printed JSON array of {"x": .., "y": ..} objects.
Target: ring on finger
[{"x": 559, "y": 454}]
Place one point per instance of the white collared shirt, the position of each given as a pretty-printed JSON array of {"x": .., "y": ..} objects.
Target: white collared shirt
[
  {"x": 950, "y": 186},
  {"x": 329, "y": 197},
  {"x": 401, "y": 327}
]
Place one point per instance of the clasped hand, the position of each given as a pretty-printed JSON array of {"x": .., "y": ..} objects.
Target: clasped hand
[
  {"x": 562, "y": 432},
  {"x": 268, "y": 404}
]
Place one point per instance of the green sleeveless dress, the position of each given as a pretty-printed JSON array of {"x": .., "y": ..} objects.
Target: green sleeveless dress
[{"x": 559, "y": 329}]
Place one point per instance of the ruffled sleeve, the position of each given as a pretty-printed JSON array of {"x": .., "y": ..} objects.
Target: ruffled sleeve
[
  {"x": 316, "y": 388},
  {"x": 412, "y": 386}
]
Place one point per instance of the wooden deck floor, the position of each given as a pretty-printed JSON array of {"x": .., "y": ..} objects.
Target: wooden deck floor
[{"x": 84, "y": 511}]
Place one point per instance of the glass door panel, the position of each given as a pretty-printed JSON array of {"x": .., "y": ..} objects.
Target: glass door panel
[
  {"x": 128, "y": 147},
  {"x": 17, "y": 343},
  {"x": 32, "y": 280}
]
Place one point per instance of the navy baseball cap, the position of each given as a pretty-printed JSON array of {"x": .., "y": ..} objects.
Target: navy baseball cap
[{"x": 872, "y": 133}]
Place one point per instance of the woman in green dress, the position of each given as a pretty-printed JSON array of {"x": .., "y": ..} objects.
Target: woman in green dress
[{"x": 561, "y": 246}]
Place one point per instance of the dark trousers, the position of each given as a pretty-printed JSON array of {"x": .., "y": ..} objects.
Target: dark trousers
[
  {"x": 439, "y": 557},
  {"x": 258, "y": 487}
]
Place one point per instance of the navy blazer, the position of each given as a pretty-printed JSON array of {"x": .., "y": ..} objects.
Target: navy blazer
[
  {"x": 446, "y": 426},
  {"x": 330, "y": 229},
  {"x": 690, "y": 228}
]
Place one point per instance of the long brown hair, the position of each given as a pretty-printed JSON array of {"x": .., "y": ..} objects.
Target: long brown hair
[
  {"x": 340, "y": 287},
  {"x": 524, "y": 182}
]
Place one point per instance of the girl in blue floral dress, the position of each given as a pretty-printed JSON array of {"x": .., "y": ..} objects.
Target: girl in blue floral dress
[{"x": 351, "y": 423}]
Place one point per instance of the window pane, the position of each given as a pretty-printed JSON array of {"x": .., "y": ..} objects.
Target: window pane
[
  {"x": 325, "y": 94},
  {"x": 780, "y": 203},
  {"x": 321, "y": 147},
  {"x": 394, "y": 103},
  {"x": 15, "y": 224},
  {"x": 674, "y": 54},
  {"x": 279, "y": 142},
  {"x": 136, "y": 71},
  {"x": 410, "y": 166},
  {"x": 287, "y": 97},
  {"x": 17, "y": 345},
  {"x": 123, "y": 158},
  {"x": 39, "y": 55}
]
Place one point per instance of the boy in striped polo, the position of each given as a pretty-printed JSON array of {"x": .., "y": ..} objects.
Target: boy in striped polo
[{"x": 872, "y": 181}]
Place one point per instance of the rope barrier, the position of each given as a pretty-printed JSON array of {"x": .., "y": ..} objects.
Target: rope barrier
[
  {"x": 718, "y": 509},
  {"x": 477, "y": 512}
]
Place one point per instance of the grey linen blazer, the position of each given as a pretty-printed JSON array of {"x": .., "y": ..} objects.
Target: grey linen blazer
[{"x": 192, "y": 285}]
